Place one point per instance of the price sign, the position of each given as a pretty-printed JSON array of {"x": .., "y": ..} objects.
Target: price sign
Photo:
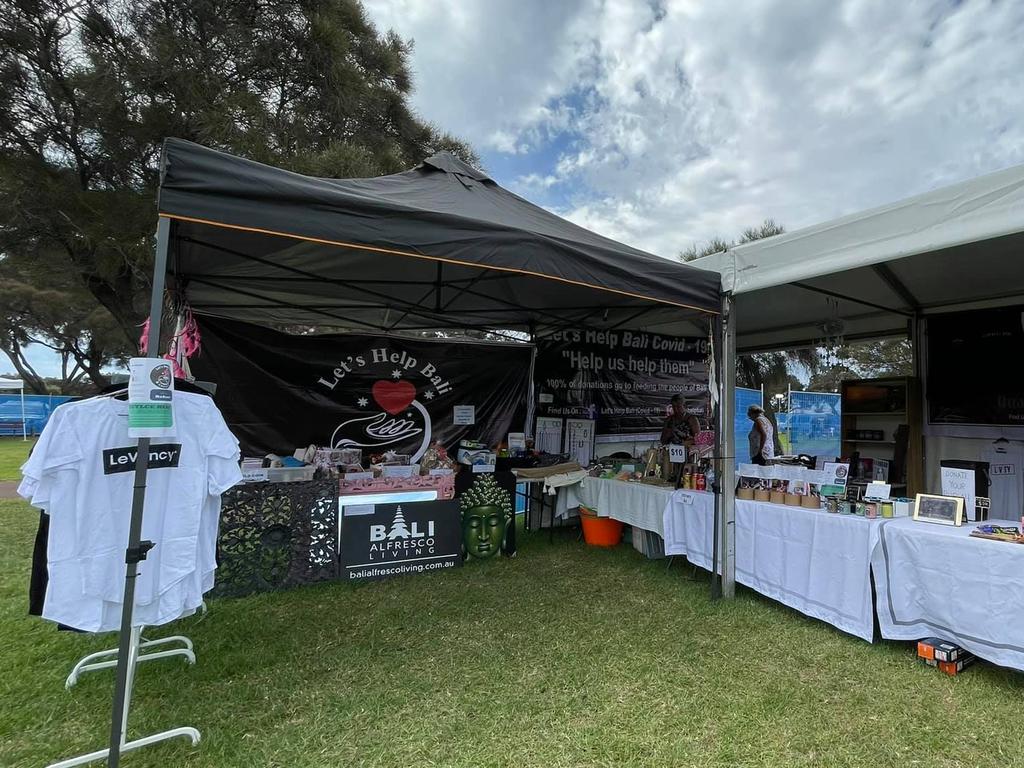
[
  {"x": 677, "y": 454},
  {"x": 464, "y": 415}
]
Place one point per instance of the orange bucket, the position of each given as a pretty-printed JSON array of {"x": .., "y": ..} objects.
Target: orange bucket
[{"x": 599, "y": 531}]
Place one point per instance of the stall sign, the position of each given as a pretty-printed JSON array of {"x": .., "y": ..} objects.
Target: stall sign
[
  {"x": 372, "y": 393},
  {"x": 383, "y": 540},
  {"x": 150, "y": 397},
  {"x": 622, "y": 379}
]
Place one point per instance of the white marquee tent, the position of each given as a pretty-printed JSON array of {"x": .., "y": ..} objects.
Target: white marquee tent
[
  {"x": 873, "y": 274},
  {"x": 18, "y": 384}
]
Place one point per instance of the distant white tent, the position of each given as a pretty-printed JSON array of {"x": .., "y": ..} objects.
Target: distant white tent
[{"x": 18, "y": 384}]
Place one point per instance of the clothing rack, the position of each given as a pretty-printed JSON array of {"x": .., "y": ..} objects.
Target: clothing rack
[
  {"x": 113, "y": 753},
  {"x": 130, "y": 637},
  {"x": 108, "y": 659}
]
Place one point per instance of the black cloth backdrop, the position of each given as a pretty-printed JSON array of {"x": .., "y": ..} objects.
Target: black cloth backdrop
[
  {"x": 978, "y": 347},
  {"x": 279, "y": 392}
]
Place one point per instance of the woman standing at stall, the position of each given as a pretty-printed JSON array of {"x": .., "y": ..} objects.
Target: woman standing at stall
[
  {"x": 761, "y": 437},
  {"x": 681, "y": 427}
]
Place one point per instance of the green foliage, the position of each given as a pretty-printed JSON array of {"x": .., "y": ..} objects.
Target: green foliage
[
  {"x": 42, "y": 303},
  {"x": 767, "y": 228},
  {"x": 89, "y": 90},
  {"x": 863, "y": 360}
]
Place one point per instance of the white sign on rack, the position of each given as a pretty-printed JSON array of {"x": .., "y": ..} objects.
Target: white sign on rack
[
  {"x": 580, "y": 440},
  {"x": 677, "y": 454},
  {"x": 548, "y": 434},
  {"x": 150, "y": 397}
]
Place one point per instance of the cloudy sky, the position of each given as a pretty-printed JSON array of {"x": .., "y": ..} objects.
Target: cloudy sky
[{"x": 664, "y": 124}]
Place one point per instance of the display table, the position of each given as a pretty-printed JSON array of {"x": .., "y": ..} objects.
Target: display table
[
  {"x": 816, "y": 562},
  {"x": 688, "y": 526},
  {"x": 938, "y": 580},
  {"x": 640, "y": 505}
]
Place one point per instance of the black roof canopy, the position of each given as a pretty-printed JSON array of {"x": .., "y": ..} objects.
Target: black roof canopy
[{"x": 438, "y": 246}]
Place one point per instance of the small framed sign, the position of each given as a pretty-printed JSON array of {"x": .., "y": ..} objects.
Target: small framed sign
[{"x": 946, "y": 510}]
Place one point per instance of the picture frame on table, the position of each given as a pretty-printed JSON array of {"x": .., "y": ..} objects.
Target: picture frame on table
[{"x": 944, "y": 510}]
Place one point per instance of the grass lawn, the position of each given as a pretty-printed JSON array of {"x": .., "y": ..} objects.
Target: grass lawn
[
  {"x": 13, "y": 452},
  {"x": 562, "y": 656}
]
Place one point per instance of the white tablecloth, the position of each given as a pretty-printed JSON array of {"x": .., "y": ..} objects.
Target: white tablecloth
[
  {"x": 937, "y": 580},
  {"x": 689, "y": 526},
  {"x": 814, "y": 561},
  {"x": 636, "y": 504}
]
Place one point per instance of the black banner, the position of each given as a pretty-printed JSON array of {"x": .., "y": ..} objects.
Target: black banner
[
  {"x": 381, "y": 540},
  {"x": 279, "y": 392},
  {"x": 972, "y": 377},
  {"x": 624, "y": 379}
]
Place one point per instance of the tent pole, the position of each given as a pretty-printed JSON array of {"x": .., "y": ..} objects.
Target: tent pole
[
  {"x": 726, "y": 426},
  {"x": 136, "y": 550},
  {"x": 716, "y": 487}
]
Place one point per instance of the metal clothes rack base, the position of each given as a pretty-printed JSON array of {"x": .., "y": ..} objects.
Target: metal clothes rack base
[
  {"x": 108, "y": 659},
  {"x": 125, "y": 745}
]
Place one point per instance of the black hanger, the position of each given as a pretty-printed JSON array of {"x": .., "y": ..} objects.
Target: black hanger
[{"x": 182, "y": 385}]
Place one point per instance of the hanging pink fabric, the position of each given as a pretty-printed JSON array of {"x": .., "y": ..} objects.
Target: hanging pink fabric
[{"x": 183, "y": 345}]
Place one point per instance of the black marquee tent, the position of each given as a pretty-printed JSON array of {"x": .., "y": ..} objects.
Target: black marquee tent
[{"x": 441, "y": 246}]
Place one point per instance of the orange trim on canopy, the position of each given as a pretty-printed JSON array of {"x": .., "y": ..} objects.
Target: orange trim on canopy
[{"x": 377, "y": 249}]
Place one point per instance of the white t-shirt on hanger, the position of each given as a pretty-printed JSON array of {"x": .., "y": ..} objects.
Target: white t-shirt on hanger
[
  {"x": 1006, "y": 473},
  {"x": 82, "y": 472}
]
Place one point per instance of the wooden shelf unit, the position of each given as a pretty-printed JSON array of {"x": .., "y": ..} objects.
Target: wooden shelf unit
[{"x": 885, "y": 404}]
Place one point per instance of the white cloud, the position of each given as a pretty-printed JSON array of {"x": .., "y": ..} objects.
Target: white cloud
[
  {"x": 487, "y": 69},
  {"x": 678, "y": 121}
]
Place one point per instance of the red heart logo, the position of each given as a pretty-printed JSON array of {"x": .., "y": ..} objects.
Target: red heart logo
[{"x": 393, "y": 396}]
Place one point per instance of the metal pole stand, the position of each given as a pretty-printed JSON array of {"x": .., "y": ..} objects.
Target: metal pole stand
[{"x": 128, "y": 746}]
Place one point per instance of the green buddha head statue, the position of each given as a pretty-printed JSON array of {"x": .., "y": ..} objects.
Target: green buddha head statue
[{"x": 486, "y": 513}]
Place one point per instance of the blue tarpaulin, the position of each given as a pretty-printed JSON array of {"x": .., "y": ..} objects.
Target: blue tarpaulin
[{"x": 37, "y": 410}]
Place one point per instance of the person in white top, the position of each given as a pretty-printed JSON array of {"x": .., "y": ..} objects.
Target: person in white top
[{"x": 761, "y": 437}]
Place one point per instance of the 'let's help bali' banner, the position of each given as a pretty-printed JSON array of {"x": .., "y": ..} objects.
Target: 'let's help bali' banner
[{"x": 379, "y": 393}]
